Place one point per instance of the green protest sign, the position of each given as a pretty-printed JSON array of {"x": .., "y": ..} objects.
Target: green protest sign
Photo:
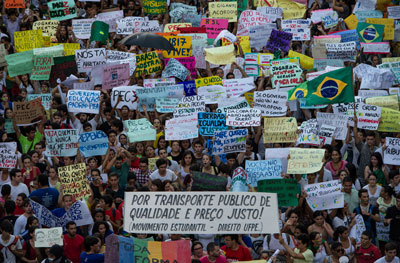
[
  {"x": 208, "y": 182},
  {"x": 154, "y": 7},
  {"x": 42, "y": 67},
  {"x": 62, "y": 9},
  {"x": 287, "y": 190},
  {"x": 99, "y": 32},
  {"x": 20, "y": 63}
]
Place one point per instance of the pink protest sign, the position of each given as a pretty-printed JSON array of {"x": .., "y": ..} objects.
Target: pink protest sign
[
  {"x": 250, "y": 18},
  {"x": 115, "y": 76},
  {"x": 188, "y": 62},
  {"x": 214, "y": 26}
]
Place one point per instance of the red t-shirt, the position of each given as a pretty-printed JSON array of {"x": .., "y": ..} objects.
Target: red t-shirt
[
  {"x": 18, "y": 211},
  {"x": 32, "y": 252},
  {"x": 241, "y": 254},
  {"x": 368, "y": 255},
  {"x": 110, "y": 213},
  {"x": 73, "y": 247},
  {"x": 220, "y": 259},
  {"x": 135, "y": 164},
  {"x": 29, "y": 178}
]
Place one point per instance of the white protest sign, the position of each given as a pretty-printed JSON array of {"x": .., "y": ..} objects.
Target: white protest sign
[
  {"x": 128, "y": 97},
  {"x": 376, "y": 48},
  {"x": 82, "y": 27},
  {"x": 250, "y": 18},
  {"x": 281, "y": 153},
  {"x": 392, "y": 152},
  {"x": 87, "y": 59},
  {"x": 127, "y": 25},
  {"x": 345, "y": 51},
  {"x": 368, "y": 116},
  {"x": 110, "y": 18},
  {"x": 190, "y": 217},
  {"x": 62, "y": 142},
  {"x": 229, "y": 141},
  {"x": 309, "y": 133},
  {"x": 316, "y": 16},
  {"x": 212, "y": 94},
  {"x": 260, "y": 34},
  {"x": 227, "y": 35},
  {"x": 394, "y": 12},
  {"x": 140, "y": 130},
  {"x": 367, "y": 93},
  {"x": 181, "y": 128},
  {"x": 149, "y": 26},
  {"x": 374, "y": 78},
  {"x": 237, "y": 87},
  {"x": 358, "y": 228},
  {"x": 118, "y": 55},
  {"x": 337, "y": 120},
  {"x": 364, "y": 5},
  {"x": 151, "y": 83},
  {"x": 190, "y": 106},
  {"x": 8, "y": 155},
  {"x": 47, "y": 237},
  {"x": 263, "y": 170},
  {"x": 243, "y": 117},
  {"x": 323, "y": 188},
  {"x": 240, "y": 104},
  {"x": 271, "y": 103},
  {"x": 324, "y": 195},
  {"x": 272, "y": 13},
  {"x": 166, "y": 105},
  {"x": 300, "y": 28},
  {"x": 330, "y": 20},
  {"x": 86, "y": 101},
  {"x": 84, "y": 85},
  {"x": 325, "y": 133}
]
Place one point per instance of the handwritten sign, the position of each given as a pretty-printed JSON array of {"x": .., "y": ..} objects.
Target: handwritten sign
[
  {"x": 154, "y": 7},
  {"x": 62, "y": 142},
  {"x": 345, "y": 51},
  {"x": 229, "y": 141},
  {"x": 271, "y": 103},
  {"x": 14, "y": 4},
  {"x": 223, "y": 10},
  {"x": 128, "y": 97},
  {"x": 48, "y": 27},
  {"x": 62, "y": 10},
  {"x": 243, "y": 117},
  {"x": 93, "y": 143},
  {"x": 115, "y": 75},
  {"x": 28, "y": 40},
  {"x": 214, "y": 26},
  {"x": 47, "y": 237},
  {"x": 392, "y": 152},
  {"x": 282, "y": 129},
  {"x": 87, "y": 59},
  {"x": 166, "y": 105},
  {"x": 28, "y": 113},
  {"x": 41, "y": 67},
  {"x": 74, "y": 181},
  {"x": 181, "y": 128},
  {"x": 140, "y": 130},
  {"x": 337, "y": 120},
  {"x": 8, "y": 155},
  {"x": 87, "y": 101},
  {"x": 286, "y": 189},
  {"x": 263, "y": 170},
  {"x": 286, "y": 75},
  {"x": 210, "y": 122},
  {"x": 190, "y": 106},
  {"x": 82, "y": 27},
  {"x": 305, "y": 161},
  {"x": 147, "y": 63},
  {"x": 325, "y": 195},
  {"x": 182, "y": 47},
  {"x": 299, "y": 28}
]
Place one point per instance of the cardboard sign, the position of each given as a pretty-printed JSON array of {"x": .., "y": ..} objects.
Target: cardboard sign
[
  {"x": 28, "y": 40},
  {"x": 229, "y": 141},
  {"x": 174, "y": 68},
  {"x": 182, "y": 47},
  {"x": 272, "y": 13},
  {"x": 41, "y": 68},
  {"x": 279, "y": 40},
  {"x": 390, "y": 120},
  {"x": 93, "y": 143},
  {"x": 368, "y": 116},
  {"x": 110, "y": 17},
  {"x": 62, "y": 142},
  {"x": 181, "y": 128},
  {"x": 212, "y": 94},
  {"x": 264, "y": 207},
  {"x": 28, "y": 113},
  {"x": 87, "y": 59},
  {"x": 243, "y": 117},
  {"x": 376, "y": 48},
  {"x": 250, "y": 18},
  {"x": 73, "y": 180},
  {"x": 47, "y": 237},
  {"x": 148, "y": 96},
  {"x": 210, "y": 122},
  {"x": 8, "y": 155},
  {"x": 308, "y": 134},
  {"x": 390, "y": 102},
  {"x": 220, "y": 55},
  {"x": 82, "y": 27},
  {"x": 140, "y": 130},
  {"x": 278, "y": 130},
  {"x": 286, "y": 75},
  {"x": 260, "y": 34},
  {"x": 190, "y": 106},
  {"x": 271, "y": 103},
  {"x": 87, "y": 101},
  {"x": 263, "y": 170},
  {"x": 62, "y": 10},
  {"x": 189, "y": 63},
  {"x": 345, "y": 51},
  {"x": 147, "y": 63},
  {"x": 19, "y": 63},
  {"x": 305, "y": 161},
  {"x": 48, "y": 27},
  {"x": 166, "y": 105},
  {"x": 286, "y": 190},
  {"x": 393, "y": 12},
  {"x": 392, "y": 152},
  {"x": 214, "y": 26},
  {"x": 208, "y": 182},
  {"x": 223, "y": 10},
  {"x": 291, "y": 9}
]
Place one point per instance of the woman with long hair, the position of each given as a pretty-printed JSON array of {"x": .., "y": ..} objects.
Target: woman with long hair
[
  {"x": 207, "y": 166},
  {"x": 290, "y": 225},
  {"x": 337, "y": 252},
  {"x": 374, "y": 190},
  {"x": 336, "y": 164},
  {"x": 319, "y": 247},
  {"x": 187, "y": 161},
  {"x": 320, "y": 226},
  {"x": 377, "y": 167},
  {"x": 348, "y": 243}
]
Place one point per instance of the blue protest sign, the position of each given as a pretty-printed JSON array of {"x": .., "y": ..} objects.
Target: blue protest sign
[
  {"x": 189, "y": 87},
  {"x": 93, "y": 143},
  {"x": 262, "y": 170},
  {"x": 210, "y": 122},
  {"x": 126, "y": 250}
]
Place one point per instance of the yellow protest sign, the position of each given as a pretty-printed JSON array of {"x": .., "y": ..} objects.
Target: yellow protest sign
[
  {"x": 48, "y": 27},
  {"x": 351, "y": 21},
  {"x": 220, "y": 55},
  {"x": 223, "y": 10},
  {"x": 182, "y": 45},
  {"x": 390, "y": 121},
  {"x": 270, "y": 3},
  {"x": 174, "y": 27},
  {"x": 387, "y": 22},
  {"x": 209, "y": 81},
  {"x": 249, "y": 98},
  {"x": 305, "y": 161},
  {"x": 244, "y": 44},
  {"x": 390, "y": 102},
  {"x": 147, "y": 63},
  {"x": 387, "y": 60},
  {"x": 73, "y": 180},
  {"x": 382, "y": 4},
  {"x": 28, "y": 40},
  {"x": 69, "y": 48},
  {"x": 282, "y": 129},
  {"x": 306, "y": 62},
  {"x": 46, "y": 41},
  {"x": 291, "y": 9}
]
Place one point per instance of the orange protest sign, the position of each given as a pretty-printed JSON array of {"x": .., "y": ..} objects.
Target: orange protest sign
[{"x": 14, "y": 4}]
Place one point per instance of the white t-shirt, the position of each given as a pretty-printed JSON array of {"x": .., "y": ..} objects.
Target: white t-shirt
[
  {"x": 20, "y": 224},
  {"x": 79, "y": 126},
  {"x": 373, "y": 197},
  {"x": 170, "y": 175},
  {"x": 8, "y": 256},
  {"x": 16, "y": 190},
  {"x": 274, "y": 243},
  {"x": 383, "y": 260}
]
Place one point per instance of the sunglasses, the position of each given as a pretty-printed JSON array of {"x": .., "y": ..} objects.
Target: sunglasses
[{"x": 340, "y": 250}]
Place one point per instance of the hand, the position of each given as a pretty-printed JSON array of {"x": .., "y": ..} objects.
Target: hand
[
  {"x": 281, "y": 241},
  {"x": 108, "y": 218}
]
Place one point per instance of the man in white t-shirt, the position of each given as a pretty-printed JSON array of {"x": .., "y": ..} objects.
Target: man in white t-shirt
[
  {"x": 21, "y": 221},
  {"x": 162, "y": 172},
  {"x": 10, "y": 246},
  {"x": 17, "y": 185},
  {"x": 390, "y": 254}
]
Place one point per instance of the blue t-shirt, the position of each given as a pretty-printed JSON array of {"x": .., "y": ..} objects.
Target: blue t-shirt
[
  {"x": 59, "y": 212},
  {"x": 48, "y": 197},
  {"x": 92, "y": 258}
]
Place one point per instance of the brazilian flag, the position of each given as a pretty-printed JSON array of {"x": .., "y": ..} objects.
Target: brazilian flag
[
  {"x": 369, "y": 33},
  {"x": 298, "y": 92},
  {"x": 99, "y": 32},
  {"x": 330, "y": 88}
]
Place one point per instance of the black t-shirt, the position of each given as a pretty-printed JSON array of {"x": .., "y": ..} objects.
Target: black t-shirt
[{"x": 394, "y": 213}]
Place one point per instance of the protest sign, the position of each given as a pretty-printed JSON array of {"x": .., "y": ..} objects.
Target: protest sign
[
  {"x": 62, "y": 142},
  {"x": 8, "y": 155},
  {"x": 14, "y": 4},
  {"x": 305, "y": 161},
  {"x": 388, "y": 23},
  {"x": 110, "y": 17},
  {"x": 127, "y": 25},
  {"x": 175, "y": 27},
  {"x": 279, "y": 40},
  {"x": 220, "y": 55},
  {"x": 286, "y": 189},
  {"x": 393, "y": 12},
  {"x": 93, "y": 143},
  {"x": 345, "y": 51},
  {"x": 182, "y": 47},
  {"x": 82, "y": 27},
  {"x": 376, "y": 48},
  {"x": 189, "y": 87},
  {"x": 263, "y": 170},
  {"x": 87, "y": 59},
  {"x": 148, "y": 26},
  {"x": 271, "y": 103},
  {"x": 319, "y": 49},
  {"x": 28, "y": 40},
  {"x": 166, "y": 105},
  {"x": 198, "y": 39},
  {"x": 306, "y": 62},
  {"x": 260, "y": 34},
  {"x": 114, "y": 55},
  {"x": 382, "y": 231},
  {"x": 208, "y": 81},
  {"x": 374, "y": 78},
  {"x": 87, "y": 101},
  {"x": 324, "y": 195},
  {"x": 154, "y": 7},
  {"x": 147, "y": 63},
  {"x": 62, "y": 10},
  {"x": 237, "y": 87},
  {"x": 214, "y": 26},
  {"x": 286, "y": 75},
  {"x": 52, "y": 51},
  {"x": 210, "y": 122},
  {"x": 362, "y": 15},
  {"x": 325, "y": 133},
  {"x": 73, "y": 180},
  {"x": 282, "y": 129},
  {"x": 337, "y": 120},
  {"x": 19, "y": 63},
  {"x": 28, "y": 113},
  {"x": 229, "y": 141},
  {"x": 41, "y": 67},
  {"x": 212, "y": 94},
  {"x": 181, "y": 128},
  {"x": 317, "y": 15},
  {"x": 187, "y": 210},
  {"x": 291, "y": 9},
  {"x": 48, "y": 27},
  {"x": 127, "y": 95},
  {"x": 188, "y": 62},
  {"x": 243, "y": 117},
  {"x": 392, "y": 151},
  {"x": 390, "y": 120},
  {"x": 239, "y": 180},
  {"x": 390, "y": 102},
  {"x": 321, "y": 64},
  {"x": 358, "y": 228},
  {"x": 78, "y": 213},
  {"x": 151, "y": 83},
  {"x": 45, "y": 98},
  {"x": 368, "y": 116},
  {"x": 308, "y": 134},
  {"x": 237, "y": 103},
  {"x": 223, "y": 10},
  {"x": 299, "y": 28},
  {"x": 249, "y": 18},
  {"x": 140, "y": 130},
  {"x": 272, "y": 13},
  {"x": 208, "y": 182},
  {"x": 115, "y": 75},
  {"x": 323, "y": 188},
  {"x": 174, "y": 68},
  {"x": 47, "y": 237},
  {"x": 330, "y": 20}
]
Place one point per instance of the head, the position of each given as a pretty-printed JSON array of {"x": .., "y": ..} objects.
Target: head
[
  {"x": 390, "y": 251},
  {"x": 302, "y": 242},
  {"x": 318, "y": 218},
  {"x": 347, "y": 184},
  {"x": 376, "y": 161},
  {"x": 67, "y": 201},
  {"x": 366, "y": 238},
  {"x": 16, "y": 176},
  {"x": 197, "y": 248},
  {"x": 363, "y": 196},
  {"x": 213, "y": 250},
  {"x": 337, "y": 249},
  {"x": 188, "y": 158},
  {"x": 293, "y": 216},
  {"x": 341, "y": 232},
  {"x": 6, "y": 228},
  {"x": 372, "y": 179},
  {"x": 92, "y": 244},
  {"x": 231, "y": 240},
  {"x": 162, "y": 166},
  {"x": 370, "y": 138},
  {"x": 336, "y": 156},
  {"x": 316, "y": 238},
  {"x": 113, "y": 179},
  {"x": 198, "y": 147},
  {"x": 71, "y": 228}
]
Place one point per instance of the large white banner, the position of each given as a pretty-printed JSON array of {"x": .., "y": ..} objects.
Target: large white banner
[{"x": 201, "y": 213}]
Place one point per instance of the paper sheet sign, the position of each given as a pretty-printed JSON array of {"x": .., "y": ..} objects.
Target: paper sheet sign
[
  {"x": 182, "y": 47},
  {"x": 282, "y": 129},
  {"x": 305, "y": 161},
  {"x": 224, "y": 10}
]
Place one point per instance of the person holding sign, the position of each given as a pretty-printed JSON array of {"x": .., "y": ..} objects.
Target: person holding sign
[{"x": 301, "y": 254}]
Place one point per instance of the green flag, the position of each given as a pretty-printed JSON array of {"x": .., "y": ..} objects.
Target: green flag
[
  {"x": 99, "y": 32},
  {"x": 330, "y": 88},
  {"x": 298, "y": 92},
  {"x": 369, "y": 33}
]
